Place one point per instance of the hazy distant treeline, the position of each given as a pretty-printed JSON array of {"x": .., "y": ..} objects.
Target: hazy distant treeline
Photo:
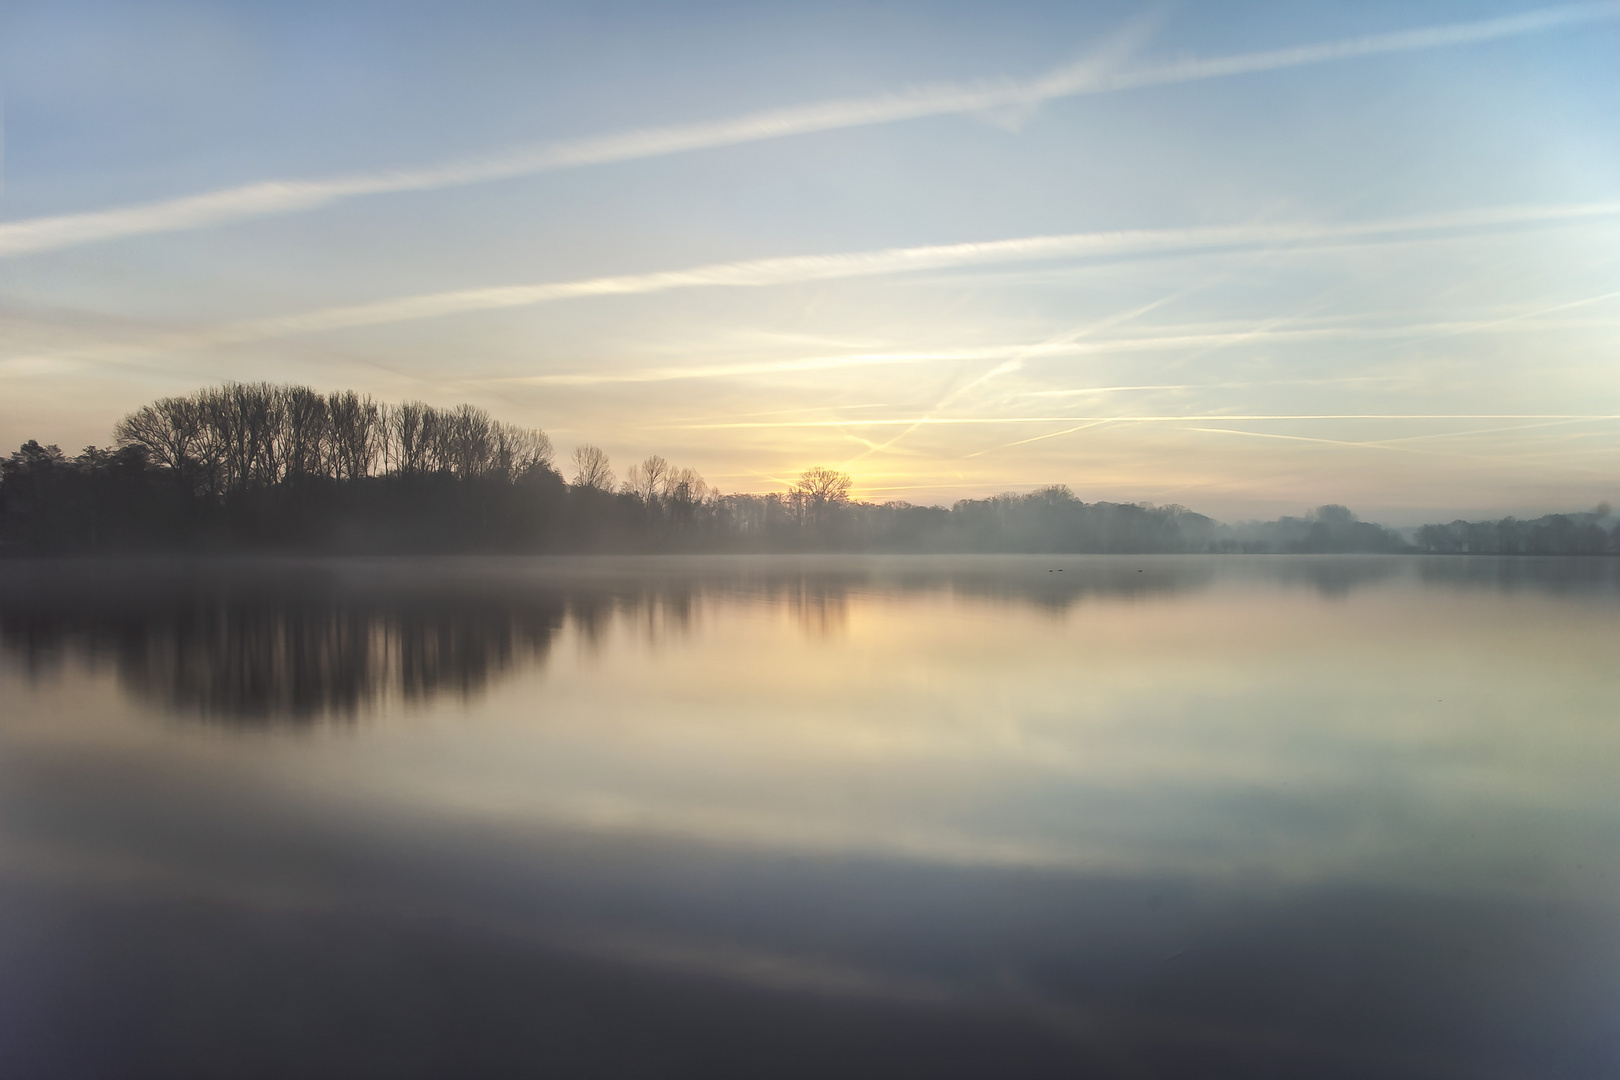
[
  {"x": 261, "y": 467},
  {"x": 1592, "y": 533}
]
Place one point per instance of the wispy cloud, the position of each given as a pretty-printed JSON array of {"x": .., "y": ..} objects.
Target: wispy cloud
[
  {"x": 755, "y": 273},
  {"x": 1100, "y": 72}
]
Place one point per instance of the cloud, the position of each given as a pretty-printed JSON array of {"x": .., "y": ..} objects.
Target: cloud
[
  {"x": 1002, "y": 100},
  {"x": 756, "y": 273}
]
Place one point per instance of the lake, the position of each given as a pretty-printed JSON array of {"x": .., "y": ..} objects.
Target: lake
[{"x": 778, "y": 816}]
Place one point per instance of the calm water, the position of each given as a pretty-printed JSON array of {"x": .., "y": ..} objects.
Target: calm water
[{"x": 991, "y": 817}]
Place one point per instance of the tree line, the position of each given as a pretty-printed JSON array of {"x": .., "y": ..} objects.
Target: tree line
[
  {"x": 229, "y": 438},
  {"x": 1591, "y": 533},
  {"x": 253, "y": 466}
]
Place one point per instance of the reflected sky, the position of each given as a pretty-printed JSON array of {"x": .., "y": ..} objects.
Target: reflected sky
[{"x": 1034, "y": 816}]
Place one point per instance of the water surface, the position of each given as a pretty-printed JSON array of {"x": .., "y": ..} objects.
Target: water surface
[{"x": 1044, "y": 816}]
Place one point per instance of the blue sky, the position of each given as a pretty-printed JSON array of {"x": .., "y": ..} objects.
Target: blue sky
[{"x": 1278, "y": 254}]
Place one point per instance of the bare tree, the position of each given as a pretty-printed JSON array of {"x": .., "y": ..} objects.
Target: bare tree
[
  {"x": 354, "y": 433},
  {"x": 471, "y": 441},
  {"x": 684, "y": 487},
  {"x": 647, "y": 479},
  {"x": 822, "y": 486},
  {"x": 168, "y": 430},
  {"x": 591, "y": 468},
  {"x": 438, "y": 440},
  {"x": 408, "y": 437},
  {"x": 519, "y": 450},
  {"x": 241, "y": 418},
  {"x": 818, "y": 492},
  {"x": 305, "y": 432}
]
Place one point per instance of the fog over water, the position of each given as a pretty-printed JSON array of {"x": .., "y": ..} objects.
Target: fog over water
[{"x": 1051, "y": 815}]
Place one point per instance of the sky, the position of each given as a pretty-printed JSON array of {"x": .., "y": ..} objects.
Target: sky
[{"x": 1246, "y": 257}]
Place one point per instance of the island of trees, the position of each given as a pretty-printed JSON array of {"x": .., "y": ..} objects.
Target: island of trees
[{"x": 262, "y": 467}]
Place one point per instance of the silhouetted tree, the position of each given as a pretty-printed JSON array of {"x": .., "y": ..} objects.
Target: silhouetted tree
[
  {"x": 591, "y": 469},
  {"x": 646, "y": 481},
  {"x": 823, "y": 486}
]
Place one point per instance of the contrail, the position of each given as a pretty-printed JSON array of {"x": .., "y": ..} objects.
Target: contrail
[
  {"x": 1432, "y": 37},
  {"x": 951, "y": 421},
  {"x": 1099, "y": 73},
  {"x": 793, "y": 269},
  {"x": 1495, "y": 460},
  {"x": 1039, "y": 438},
  {"x": 722, "y": 371},
  {"x": 1029, "y": 351},
  {"x": 1017, "y": 361},
  {"x": 290, "y": 196}
]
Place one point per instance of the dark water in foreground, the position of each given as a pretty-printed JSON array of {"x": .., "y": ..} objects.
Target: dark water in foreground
[{"x": 1141, "y": 818}]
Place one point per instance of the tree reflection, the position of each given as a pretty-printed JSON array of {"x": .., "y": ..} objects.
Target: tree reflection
[
  {"x": 316, "y": 656},
  {"x": 253, "y": 642},
  {"x": 259, "y": 644}
]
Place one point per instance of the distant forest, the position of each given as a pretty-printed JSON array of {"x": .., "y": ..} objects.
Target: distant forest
[{"x": 245, "y": 467}]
